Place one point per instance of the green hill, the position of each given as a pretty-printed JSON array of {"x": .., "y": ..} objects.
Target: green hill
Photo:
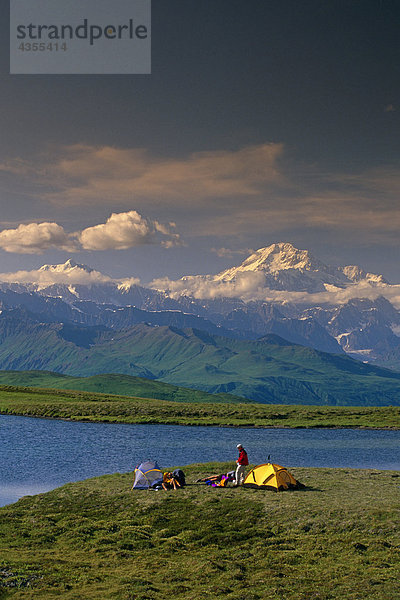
[
  {"x": 112, "y": 383},
  {"x": 268, "y": 370}
]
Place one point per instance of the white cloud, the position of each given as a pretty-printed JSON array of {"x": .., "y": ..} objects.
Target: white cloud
[
  {"x": 69, "y": 273},
  {"x": 35, "y": 238},
  {"x": 120, "y": 232},
  {"x": 251, "y": 286},
  {"x": 126, "y": 230},
  {"x": 125, "y": 284},
  {"x": 247, "y": 286},
  {"x": 45, "y": 277}
]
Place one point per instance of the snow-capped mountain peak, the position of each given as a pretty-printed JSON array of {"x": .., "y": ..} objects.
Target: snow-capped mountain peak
[
  {"x": 70, "y": 273},
  {"x": 286, "y": 267},
  {"x": 278, "y": 257},
  {"x": 282, "y": 266},
  {"x": 67, "y": 267},
  {"x": 356, "y": 274}
]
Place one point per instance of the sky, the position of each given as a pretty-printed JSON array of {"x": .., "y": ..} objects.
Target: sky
[{"x": 261, "y": 122}]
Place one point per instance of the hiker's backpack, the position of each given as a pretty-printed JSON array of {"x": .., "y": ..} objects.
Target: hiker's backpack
[{"x": 180, "y": 477}]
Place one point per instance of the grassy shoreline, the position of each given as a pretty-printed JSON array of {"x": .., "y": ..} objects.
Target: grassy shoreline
[
  {"x": 107, "y": 408},
  {"x": 337, "y": 538}
]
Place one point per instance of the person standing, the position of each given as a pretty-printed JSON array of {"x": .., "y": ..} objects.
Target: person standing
[{"x": 241, "y": 463}]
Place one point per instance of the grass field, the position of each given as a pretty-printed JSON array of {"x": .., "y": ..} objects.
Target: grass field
[
  {"x": 84, "y": 406},
  {"x": 336, "y": 539}
]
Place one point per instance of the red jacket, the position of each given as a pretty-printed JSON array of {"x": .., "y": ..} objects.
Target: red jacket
[{"x": 243, "y": 459}]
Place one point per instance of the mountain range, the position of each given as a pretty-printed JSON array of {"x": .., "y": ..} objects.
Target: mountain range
[
  {"x": 278, "y": 289},
  {"x": 74, "y": 320},
  {"x": 269, "y": 369}
]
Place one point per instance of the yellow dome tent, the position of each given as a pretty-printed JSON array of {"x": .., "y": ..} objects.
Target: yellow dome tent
[{"x": 271, "y": 477}]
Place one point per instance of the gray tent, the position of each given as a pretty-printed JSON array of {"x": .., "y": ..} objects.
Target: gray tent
[{"x": 146, "y": 475}]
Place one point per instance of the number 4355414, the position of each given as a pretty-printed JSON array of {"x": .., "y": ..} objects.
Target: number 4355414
[{"x": 42, "y": 47}]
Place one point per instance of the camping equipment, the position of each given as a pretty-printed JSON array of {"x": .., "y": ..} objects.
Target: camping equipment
[
  {"x": 218, "y": 478},
  {"x": 271, "y": 477},
  {"x": 147, "y": 475},
  {"x": 222, "y": 483},
  {"x": 173, "y": 480},
  {"x": 180, "y": 477}
]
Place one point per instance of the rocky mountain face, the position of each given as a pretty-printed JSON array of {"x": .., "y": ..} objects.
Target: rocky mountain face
[{"x": 277, "y": 290}]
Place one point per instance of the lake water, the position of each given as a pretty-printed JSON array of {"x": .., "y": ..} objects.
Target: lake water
[{"x": 38, "y": 455}]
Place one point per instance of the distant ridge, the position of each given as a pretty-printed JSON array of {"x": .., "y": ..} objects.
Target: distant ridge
[
  {"x": 112, "y": 383},
  {"x": 269, "y": 370}
]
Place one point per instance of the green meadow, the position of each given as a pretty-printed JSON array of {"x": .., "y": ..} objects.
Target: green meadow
[
  {"x": 337, "y": 538},
  {"x": 86, "y": 406}
]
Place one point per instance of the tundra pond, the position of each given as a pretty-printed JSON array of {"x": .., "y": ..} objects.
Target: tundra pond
[{"x": 41, "y": 454}]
